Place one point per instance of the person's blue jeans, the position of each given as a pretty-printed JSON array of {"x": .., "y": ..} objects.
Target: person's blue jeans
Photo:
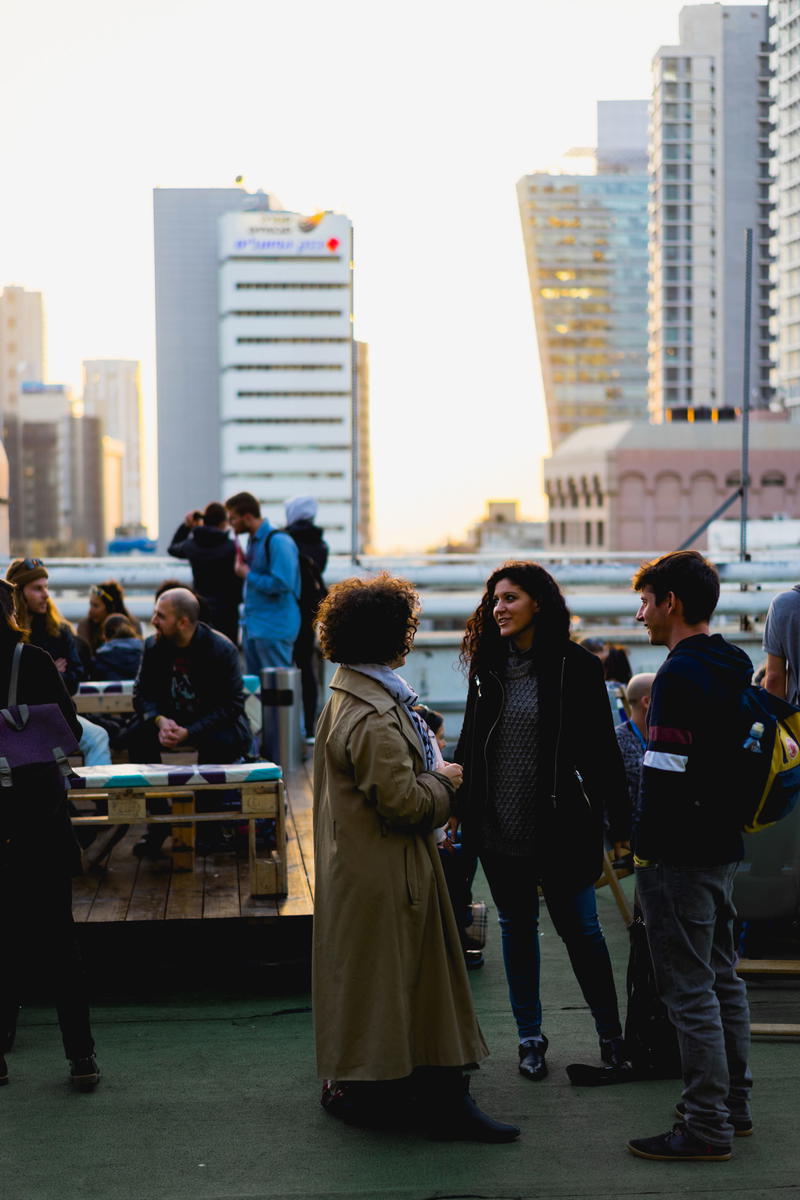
[
  {"x": 513, "y": 882},
  {"x": 266, "y": 652},
  {"x": 94, "y": 745},
  {"x": 689, "y": 917}
]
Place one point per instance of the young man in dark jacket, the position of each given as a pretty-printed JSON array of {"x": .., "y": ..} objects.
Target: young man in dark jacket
[
  {"x": 687, "y": 845},
  {"x": 206, "y": 542},
  {"x": 188, "y": 692}
]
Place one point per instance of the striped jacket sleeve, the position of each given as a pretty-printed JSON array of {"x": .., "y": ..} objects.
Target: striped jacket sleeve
[{"x": 665, "y": 788}]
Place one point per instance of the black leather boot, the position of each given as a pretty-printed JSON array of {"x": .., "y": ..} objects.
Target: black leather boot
[
  {"x": 451, "y": 1113},
  {"x": 531, "y": 1057},
  {"x": 3, "y": 1071},
  {"x": 613, "y": 1052}
]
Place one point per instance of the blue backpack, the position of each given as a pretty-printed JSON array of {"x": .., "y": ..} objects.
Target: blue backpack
[{"x": 767, "y": 766}]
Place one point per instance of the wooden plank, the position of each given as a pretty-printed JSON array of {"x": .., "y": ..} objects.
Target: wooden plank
[
  {"x": 221, "y": 887},
  {"x": 305, "y": 840},
  {"x": 768, "y": 966},
  {"x": 117, "y": 885},
  {"x": 298, "y": 901},
  {"x": 84, "y": 893},
  {"x": 185, "y": 899},
  {"x": 149, "y": 899},
  {"x": 253, "y": 906},
  {"x": 759, "y": 1029}
]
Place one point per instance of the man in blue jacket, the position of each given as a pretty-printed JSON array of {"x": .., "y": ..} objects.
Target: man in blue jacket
[
  {"x": 687, "y": 845},
  {"x": 271, "y": 571}
]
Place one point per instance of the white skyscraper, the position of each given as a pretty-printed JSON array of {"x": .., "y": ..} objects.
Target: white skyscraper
[
  {"x": 709, "y": 169},
  {"x": 785, "y": 17},
  {"x": 286, "y": 361},
  {"x": 255, "y": 356},
  {"x": 112, "y": 391}
]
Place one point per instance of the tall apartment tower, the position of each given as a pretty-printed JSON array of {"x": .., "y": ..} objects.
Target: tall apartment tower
[
  {"x": 586, "y": 246},
  {"x": 364, "y": 458},
  {"x": 286, "y": 363},
  {"x": 710, "y": 181},
  {"x": 785, "y": 89},
  {"x": 22, "y": 360},
  {"x": 255, "y": 357},
  {"x": 112, "y": 391},
  {"x": 187, "y": 345}
]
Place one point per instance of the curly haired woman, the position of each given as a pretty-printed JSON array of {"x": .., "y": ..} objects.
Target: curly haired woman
[
  {"x": 393, "y": 1015},
  {"x": 540, "y": 760}
]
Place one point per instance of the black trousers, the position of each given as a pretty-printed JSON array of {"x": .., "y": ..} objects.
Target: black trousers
[
  {"x": 221, "y": 746},
  {"x": 306, "y": 657},
  {"x": 38, "y": 949}
]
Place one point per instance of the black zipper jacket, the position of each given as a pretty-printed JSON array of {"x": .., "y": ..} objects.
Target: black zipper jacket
[
  {"x": 580, "y": 770},
  {"x": 686, "y": 815}
]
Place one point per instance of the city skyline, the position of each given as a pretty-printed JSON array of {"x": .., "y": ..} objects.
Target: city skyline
[{"x": 190, "y": 98}]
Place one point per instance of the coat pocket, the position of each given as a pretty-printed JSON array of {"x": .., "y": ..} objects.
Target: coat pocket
[{"x": 412, "y": 873}]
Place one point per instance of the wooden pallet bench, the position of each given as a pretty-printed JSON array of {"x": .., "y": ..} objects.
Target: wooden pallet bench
[
  {"x": 771, "y": 966},
  {"x": 116, "y": 696},
  {"x": 126, "y": 789}
]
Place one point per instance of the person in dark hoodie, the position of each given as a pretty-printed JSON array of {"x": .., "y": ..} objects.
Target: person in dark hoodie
[
  {"x": 311, "y": 545},
  {"x": 204, "y": 539},
  {"x": 687, "y": 845},
  {"x": 119, "y": 655}
]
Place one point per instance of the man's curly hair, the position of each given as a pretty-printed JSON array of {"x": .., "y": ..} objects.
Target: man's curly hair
[{"x": 368, "y": 620}]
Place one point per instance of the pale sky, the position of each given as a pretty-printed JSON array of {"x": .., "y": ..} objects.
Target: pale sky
[{"x": 416, "y": 120}]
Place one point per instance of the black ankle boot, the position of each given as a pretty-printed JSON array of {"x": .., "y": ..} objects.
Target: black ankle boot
[
  {"x": 451, "y": 1113},
  {"x": 613, "y": 1052},
  {"x": 531, "y": 1057}
]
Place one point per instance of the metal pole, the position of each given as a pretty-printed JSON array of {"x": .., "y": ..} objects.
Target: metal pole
[
  {"x": 748, "y": 303},
  {"x": 744, "y": 620}
]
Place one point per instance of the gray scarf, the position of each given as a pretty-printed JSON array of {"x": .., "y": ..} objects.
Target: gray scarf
[{"x": 400, "y": 691}]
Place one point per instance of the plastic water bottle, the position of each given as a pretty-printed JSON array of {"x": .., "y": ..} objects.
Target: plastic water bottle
[{"x": 753, "y": 739}]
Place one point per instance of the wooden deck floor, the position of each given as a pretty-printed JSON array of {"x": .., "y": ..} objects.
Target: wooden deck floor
[{"x": 133, "y": 890}]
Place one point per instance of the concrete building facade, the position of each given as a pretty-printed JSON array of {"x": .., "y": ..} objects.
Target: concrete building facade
[
  {"x": 710, "y": 181},
  {"x": 585, "y": 240},
  {"x": 785, "y": 142},
  {"x": 286, "y": 363},
  {"x": 59, "y": 507},
  {"x": 22, "y": 360},
  {"x": 635, "y": 486},
  {"x": 255, "y": 358},
  {"x": 112, "y": 392},
  {"x": 187, "y": 345}
]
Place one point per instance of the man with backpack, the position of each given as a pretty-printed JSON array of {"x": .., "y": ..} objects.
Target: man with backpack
[
  {"x": 313, "y": 551},
  {"x": 687, "y": 845},
  {"x": 270, "y": 569}
]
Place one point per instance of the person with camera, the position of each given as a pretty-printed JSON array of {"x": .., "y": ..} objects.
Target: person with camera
[{"x": 204, "y": 540}]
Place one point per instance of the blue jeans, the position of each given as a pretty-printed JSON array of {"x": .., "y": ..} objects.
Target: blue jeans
[
  {"x": 514, "y": 886},
  {"x": 689, "y": 917},
  {"x": 94, "y": 744},
  {"x": 266, "y": 652}
]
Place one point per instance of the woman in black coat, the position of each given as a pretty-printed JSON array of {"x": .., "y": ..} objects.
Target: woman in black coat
[
  {"x": 540, "y": 764},
  {"x": 38, "y": 856}
]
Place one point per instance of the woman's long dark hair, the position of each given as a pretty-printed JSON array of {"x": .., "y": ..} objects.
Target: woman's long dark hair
[
  {"x": 10, "y": 632},
  {"x": 482, "y": 645}
]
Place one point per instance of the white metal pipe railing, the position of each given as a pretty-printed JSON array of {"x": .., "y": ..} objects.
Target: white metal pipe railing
[{"x": 436, "y": 572}]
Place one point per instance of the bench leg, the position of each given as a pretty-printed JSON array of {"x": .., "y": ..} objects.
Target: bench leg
[{"x": 183, "y": 835}]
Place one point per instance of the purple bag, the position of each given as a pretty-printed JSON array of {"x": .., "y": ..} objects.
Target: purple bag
[{"x": 32, "y": 735}]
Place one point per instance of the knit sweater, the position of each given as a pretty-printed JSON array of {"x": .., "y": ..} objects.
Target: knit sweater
[{"x": 508, "y": 821}]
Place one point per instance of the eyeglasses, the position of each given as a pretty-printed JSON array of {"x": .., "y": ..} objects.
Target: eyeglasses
[{"x": 30, "y": 563}]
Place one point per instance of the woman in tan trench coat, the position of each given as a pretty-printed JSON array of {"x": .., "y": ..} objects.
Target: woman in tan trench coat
[{"x": 393, "y": 1015}]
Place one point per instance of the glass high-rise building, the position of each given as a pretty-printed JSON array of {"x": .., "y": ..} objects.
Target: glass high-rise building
[
  {"x": 710, "y": 181},
  {"x": 586, "y": 245}
]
